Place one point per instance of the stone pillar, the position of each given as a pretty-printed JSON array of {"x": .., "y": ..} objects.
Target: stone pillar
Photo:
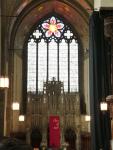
[
  {"x": 109, "y": 100},
  {"x": 108, "y": 30},
  {"x": 3, "y": 92},
  {"x": 2, "y": 95},
  {"x": 0, "y": 36}
]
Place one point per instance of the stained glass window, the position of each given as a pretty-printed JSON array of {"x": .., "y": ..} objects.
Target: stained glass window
[
  {"x": 52, "y": 52},
  {"x": 53, "y": 27}
]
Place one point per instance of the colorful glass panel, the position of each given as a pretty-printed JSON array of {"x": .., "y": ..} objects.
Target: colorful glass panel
[{"x": 53, "y": 27}]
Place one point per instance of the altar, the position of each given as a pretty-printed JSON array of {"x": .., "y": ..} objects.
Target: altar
[{"x": 56, "y": 114}]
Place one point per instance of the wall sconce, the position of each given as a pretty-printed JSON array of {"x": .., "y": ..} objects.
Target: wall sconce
[
  {"x": 15, "y": 106},
  {"x": 4, "y": 82},
  {"x": 87, "y": 118},
  {"x": 103, "y": 106},
  {"x": 21, "y": 118}
]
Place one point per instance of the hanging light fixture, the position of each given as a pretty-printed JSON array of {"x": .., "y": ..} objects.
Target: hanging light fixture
[
  {"x": 15, "y": 106},
  {"x": 87, "y": 118},
  {"x": 103, "y": 106},
  {"x": 4, "y": 82},
  {"x": 21, "y": 118}
]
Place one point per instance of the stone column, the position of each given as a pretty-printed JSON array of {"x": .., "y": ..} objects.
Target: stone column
[
  {"x": 2, "y": 92},
  {"x": 108, "y": 30},
  {"x": 0, "y": 35},
  {"x": 109, "y": 100}
]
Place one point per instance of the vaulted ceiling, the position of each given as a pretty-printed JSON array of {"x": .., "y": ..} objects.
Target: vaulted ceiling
[{"x": 26, "y": 13}]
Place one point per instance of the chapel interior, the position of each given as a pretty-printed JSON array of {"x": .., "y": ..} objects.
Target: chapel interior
[{"x": 57, "y": 58}]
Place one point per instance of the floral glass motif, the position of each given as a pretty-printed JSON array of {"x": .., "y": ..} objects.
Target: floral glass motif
[{"x": 52, "y": 27}]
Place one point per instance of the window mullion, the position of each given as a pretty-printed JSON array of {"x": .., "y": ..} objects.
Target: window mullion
[
  {"x": 36, "y": 67},
  {"x": 58, "y": 59},
  {"x": 68, "y": 66},
  {"x": 47, "y": 60}
]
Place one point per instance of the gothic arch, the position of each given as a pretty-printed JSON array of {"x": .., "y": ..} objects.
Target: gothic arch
[
  {"x": 31, "y": 14},
  {"x": 74, "y": 13},
  {"x": 25, "y": 16}
]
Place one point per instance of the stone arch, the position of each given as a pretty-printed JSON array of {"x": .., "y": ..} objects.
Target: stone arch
[
  {"x": 20, "y": 26},
  {"x": 29, "y": 16}
]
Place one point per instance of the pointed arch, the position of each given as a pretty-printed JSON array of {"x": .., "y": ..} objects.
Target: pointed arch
[{"x": 52, "y": 52}]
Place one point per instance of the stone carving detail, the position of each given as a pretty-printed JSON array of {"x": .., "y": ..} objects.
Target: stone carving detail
[
  {"x": 53, "y": 101},
  {"x": 108, "y": 26}
]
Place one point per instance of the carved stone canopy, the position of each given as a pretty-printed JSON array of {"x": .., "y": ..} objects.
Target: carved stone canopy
[
  {"x": 109, "y": 98},
  {"x": 108, "y": 26}
]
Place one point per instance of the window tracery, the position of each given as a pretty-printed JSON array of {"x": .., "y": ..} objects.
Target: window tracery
[{"x": 52, "y": 52}]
